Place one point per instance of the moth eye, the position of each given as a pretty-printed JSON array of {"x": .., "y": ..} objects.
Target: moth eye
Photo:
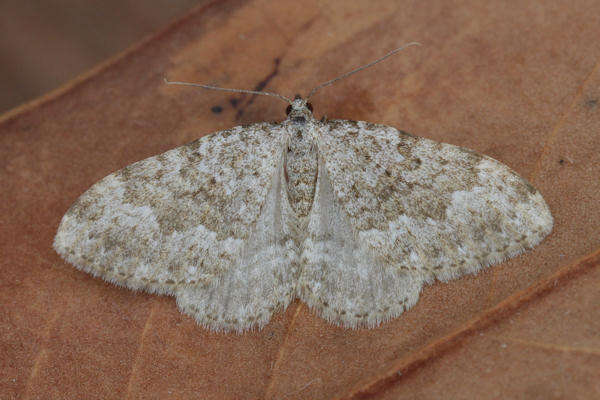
[
  {"x": 309, "y": 106},
  {"x": 288, "y": 110}
]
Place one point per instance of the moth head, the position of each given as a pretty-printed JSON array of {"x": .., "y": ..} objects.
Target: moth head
[{"x": 299, "y": 110}]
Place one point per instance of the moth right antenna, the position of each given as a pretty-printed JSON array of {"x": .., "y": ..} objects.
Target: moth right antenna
[
  {"x": 347, "y": 74},
  {"x": 168, "y": 82}
]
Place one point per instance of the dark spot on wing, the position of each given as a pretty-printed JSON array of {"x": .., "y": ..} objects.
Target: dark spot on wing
[
  {"x": 530, "y": 187},
  {"x": 415, "y": 163}
]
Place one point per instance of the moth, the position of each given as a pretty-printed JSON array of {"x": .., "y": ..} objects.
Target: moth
[{"x": 352, "y": 218}]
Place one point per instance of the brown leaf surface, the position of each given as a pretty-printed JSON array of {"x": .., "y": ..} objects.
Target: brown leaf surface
[{"x": 517, "y": 82}]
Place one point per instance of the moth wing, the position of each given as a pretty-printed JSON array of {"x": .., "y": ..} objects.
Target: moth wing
[
  {"x": 394, "y": 211},
  {"x": 342, "y": 279},
  {"x": 263, "y": 279},
  {"x": 178, "y": 218},
  {"x": 432, "y": 208}
]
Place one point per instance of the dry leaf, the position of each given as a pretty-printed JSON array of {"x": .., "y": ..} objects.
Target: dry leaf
[{"x": 519, "y": 83}]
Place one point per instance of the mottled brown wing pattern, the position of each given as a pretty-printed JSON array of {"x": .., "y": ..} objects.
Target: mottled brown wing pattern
[
  {"x": 431, "y": 208},
  {"x": 179, "y": 218}
]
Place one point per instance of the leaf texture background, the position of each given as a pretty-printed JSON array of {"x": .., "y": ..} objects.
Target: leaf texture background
[{"x": 519, "y": 82}]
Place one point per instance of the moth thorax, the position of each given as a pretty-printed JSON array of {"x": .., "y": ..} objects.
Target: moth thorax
[{"x": 301, "y": 172}]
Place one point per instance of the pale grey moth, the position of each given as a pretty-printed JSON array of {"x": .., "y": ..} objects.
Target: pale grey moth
[{"x": 353, "y": 218}]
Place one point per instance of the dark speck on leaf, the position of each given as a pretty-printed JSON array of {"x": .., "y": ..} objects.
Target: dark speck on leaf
[{"x": 217, "y": 109}]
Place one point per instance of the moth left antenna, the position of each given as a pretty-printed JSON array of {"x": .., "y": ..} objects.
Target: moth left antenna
[
  {"x": 168, "y": 82},
  {"x": 347, "y": 74}
]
